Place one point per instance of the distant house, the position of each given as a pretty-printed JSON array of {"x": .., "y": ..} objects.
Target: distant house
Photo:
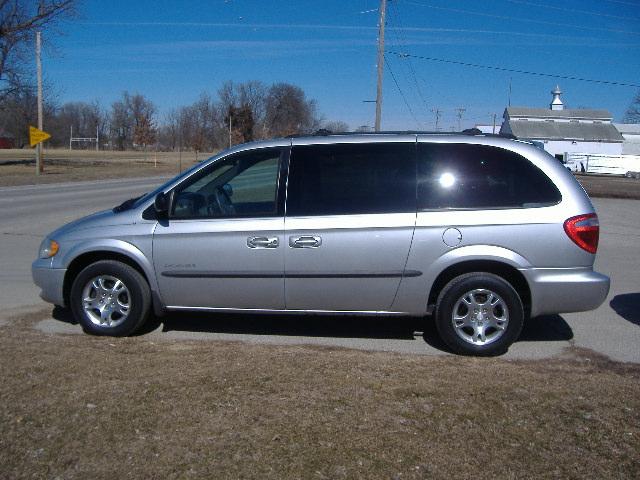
[
  {"x": 6, "y": 140},
  {"x": 631, "y": 134},
  {"x": 562, "y": 130}
]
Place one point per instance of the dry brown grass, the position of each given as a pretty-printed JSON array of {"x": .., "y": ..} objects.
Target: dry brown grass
[
  {"x": 81, "y": 407},
  {"x": 17, "y": 167}
]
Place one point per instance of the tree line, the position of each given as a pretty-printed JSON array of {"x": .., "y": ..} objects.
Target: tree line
[{"x": 240, "y": 112}]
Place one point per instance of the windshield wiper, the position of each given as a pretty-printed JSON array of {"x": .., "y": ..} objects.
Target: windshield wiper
[{"x": 126, "y": 205}]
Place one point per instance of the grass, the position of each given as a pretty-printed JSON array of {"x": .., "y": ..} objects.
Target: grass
[
  {"x": 82, "y": 407},
  {"x": 17, "y": 167}
]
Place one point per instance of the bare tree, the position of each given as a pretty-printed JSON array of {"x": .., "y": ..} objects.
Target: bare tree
[
  {"x": 142, "y": 112},
  {"x": 19, "y": 20},
  {"x": 196, "y": 124},
  {"x": 244, "y": 98},
  {"x": 288, "y": 111},
  {"x": 253, "y": 97},
  {"x": 132, "y": 121},
  {"x": 17, "y": 112},
  {"x": 204, "y": 118},
  {"x": 242, "y": 112},
  {"x": 241, "y": 124},
  {"x": 632, "y": 114},
  {"x": 169, "y": 131},
  {"x": 144, "y": 132},
  {"x": 121, "y": 125},
  {"x": 335, "y": 126}
]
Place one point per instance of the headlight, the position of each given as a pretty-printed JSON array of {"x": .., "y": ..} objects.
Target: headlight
[{"x": 48, "y": 248}]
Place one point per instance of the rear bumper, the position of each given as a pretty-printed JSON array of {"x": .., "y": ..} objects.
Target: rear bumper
[
  {"x": 50, "y": 281},
  {"x": 564, "y": 290}
]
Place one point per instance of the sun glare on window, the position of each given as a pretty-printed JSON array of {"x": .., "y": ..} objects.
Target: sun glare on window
[{"x": 447, "y": 180}]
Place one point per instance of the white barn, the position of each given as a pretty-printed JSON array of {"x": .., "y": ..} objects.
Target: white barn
[
  {"x": 562, "y": 130},
  {"x": 631, "y": 134}
]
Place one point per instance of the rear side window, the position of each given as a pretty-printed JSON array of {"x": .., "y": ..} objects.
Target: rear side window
[
  {"x": 348, "y": 179},
  {"x": 480, "y": 177}
]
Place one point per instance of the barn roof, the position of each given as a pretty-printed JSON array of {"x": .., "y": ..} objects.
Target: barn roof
[
  {"x": 571, "y": 113},
  {"x": 544, "y": 130}
]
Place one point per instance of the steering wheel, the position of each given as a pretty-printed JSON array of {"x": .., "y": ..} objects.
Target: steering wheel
[{"x": 223, "y": 201}]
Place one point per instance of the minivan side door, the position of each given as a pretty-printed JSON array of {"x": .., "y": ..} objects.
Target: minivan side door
[
  {"x": 222, "y": 246},
  {"x": 350, "y": 216}
]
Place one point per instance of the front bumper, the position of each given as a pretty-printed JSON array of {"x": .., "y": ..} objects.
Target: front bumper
[
  {"x": 50, "y": 280},
  {"x": 564, "y": 290}
]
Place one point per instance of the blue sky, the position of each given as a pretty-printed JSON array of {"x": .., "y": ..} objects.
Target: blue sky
[{"x": 171, "y": 51}]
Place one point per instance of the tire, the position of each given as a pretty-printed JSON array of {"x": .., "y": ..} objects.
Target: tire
[
  {"x": 488, "y": 314},
  {"x": 110, "y": 298}
]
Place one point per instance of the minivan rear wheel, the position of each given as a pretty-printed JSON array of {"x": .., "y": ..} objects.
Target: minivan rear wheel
[
  {"x": 479, "y": 314},
  {"x": 110, "y": 298}
]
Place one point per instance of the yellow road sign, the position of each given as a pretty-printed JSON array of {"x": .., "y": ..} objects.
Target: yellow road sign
[{"x": 36, "y": 136}]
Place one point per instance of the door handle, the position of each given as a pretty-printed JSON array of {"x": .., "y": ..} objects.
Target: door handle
[
  {"x": 306, "y": 241},
  {"x": 263, "y": 242}
]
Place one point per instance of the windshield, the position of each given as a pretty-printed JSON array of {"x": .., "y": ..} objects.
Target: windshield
[{"x": 148, "y": 196}]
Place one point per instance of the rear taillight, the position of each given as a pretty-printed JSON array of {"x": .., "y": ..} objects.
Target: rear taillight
[{"x": 584, "y": 230}]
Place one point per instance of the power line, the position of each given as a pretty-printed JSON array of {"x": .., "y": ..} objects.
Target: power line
[
  {"x": 404, "y": 70},
  {"x": 623, "y": 3},
  {"x": 404, "y": 42},
  {"x": 512, "y": 70},
  {"x": 358, "y": 28},
  {"x": 400, "y": 91},
  {"x": 570, "y": 10},
  {"x": 520, "y": 19}
]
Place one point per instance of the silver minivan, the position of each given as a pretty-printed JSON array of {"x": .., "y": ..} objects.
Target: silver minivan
[{"x": 477, "y": 233}]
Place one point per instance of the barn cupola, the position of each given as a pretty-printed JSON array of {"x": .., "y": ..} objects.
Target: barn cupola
[{"x": 556, "y": 103}]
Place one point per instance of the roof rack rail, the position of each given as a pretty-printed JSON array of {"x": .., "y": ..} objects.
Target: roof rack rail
[{"x": 323, "y": 132}]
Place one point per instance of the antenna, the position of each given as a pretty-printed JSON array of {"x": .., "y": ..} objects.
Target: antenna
[
  {"x": 438, "y": 114},
  {"x": 459, "y": 113}
]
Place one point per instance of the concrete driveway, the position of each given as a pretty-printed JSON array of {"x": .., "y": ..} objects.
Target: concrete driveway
[{"x": 28, "y": 213}]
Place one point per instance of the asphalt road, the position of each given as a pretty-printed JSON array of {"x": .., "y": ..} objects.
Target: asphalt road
[{"x": 28, "y": 213}]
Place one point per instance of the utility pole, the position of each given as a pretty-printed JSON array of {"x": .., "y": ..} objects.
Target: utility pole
[
  {"x": 438, "y": 114},
  {"x": 229, "y": 127},
  {"x": 383, "y": 16},
  {"x": 180, "y": 148},
  {"x": 459, "y": 112},
  {"x": 39, "y": 166},
  {"x": 494, "y": 123}
]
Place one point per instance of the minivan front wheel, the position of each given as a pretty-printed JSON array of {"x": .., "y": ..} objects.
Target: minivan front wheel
[
  {"x": 110, "y": 298},
  {"x": 479, "y": 314}
]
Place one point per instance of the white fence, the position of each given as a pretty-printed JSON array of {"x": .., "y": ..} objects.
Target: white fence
[{"x": 602, "y": 164}]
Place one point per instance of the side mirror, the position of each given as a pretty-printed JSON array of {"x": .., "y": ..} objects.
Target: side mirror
[{"x": 161, "y": 204}]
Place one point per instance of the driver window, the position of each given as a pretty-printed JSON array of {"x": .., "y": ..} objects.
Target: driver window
[{"x": 243, "y": 185}]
